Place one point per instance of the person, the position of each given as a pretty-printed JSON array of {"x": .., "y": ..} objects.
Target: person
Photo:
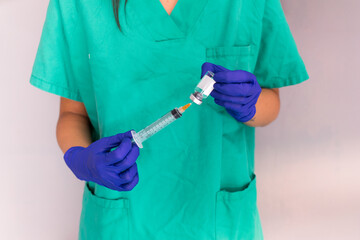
[{"x": 196, "y": 178}]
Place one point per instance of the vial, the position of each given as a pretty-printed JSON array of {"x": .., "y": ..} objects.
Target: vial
[{"x": 204, "y": 88}]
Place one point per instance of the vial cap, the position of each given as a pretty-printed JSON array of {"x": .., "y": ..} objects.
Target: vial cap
[{"x": 195, "y": 100}]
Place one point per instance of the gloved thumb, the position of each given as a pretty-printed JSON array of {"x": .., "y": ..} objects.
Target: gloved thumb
[
  {"x": 107, "y": 143},
  {"x": 211, "y": 67}
]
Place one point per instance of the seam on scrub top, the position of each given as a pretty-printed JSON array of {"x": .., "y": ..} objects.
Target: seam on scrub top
[
  {"x": 103, "y": 203},
  {"x": 192, "y": 29},
  {"x": 76, "y": 23},
  {"x": 215, "y": 225},
  {"x": 258, "y": 13},
  {"x": 76, "y": 93},
  {"x": 291, "y": 80}
]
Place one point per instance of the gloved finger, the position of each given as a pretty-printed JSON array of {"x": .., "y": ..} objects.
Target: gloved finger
[
  {"x": 120, "y": 152},
  {"x": 238, "y": 108},
  {"x": 234, "y": 89},
  {"x": 114, "y": 187},
  {"x": 129, "y": 186},
  {"x": 211, "y": 67},
  {"x": 128, "y": 175},
  {"x": 117, "y": 179},
  {"x": 244, "y": 117},
  {"x": 128, "y": 161},
  {"x": 237, "y": 76},
  {"x": 223, "y": 97},
  {"x": 252, "y": 101},
  {"x": 242, "y": 113},
  {"x": 112, "y": 179},
  {"x": 107, "y": 143}
]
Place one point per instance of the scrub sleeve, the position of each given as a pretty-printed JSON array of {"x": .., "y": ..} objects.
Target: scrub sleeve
[
  {"x": 278, "y": 63},
  {"x": 197, "y": 178},
  {"x": 60, "y": 58}
]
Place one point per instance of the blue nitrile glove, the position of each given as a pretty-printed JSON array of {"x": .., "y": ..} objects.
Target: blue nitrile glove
[
  {"x": 237, "y": 91},
  {"x": 113, "y": 169}
]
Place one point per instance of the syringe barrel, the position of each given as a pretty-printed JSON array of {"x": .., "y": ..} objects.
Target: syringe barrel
[{"x": 155, "y": 127}]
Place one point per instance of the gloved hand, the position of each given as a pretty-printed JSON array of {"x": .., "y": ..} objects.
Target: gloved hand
[
  {"x": 113, "y": 169},
  {"x": 237, "y": 91}
]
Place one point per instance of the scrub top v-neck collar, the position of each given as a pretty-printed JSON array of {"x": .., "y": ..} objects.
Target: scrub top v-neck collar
[{"x": 163, "y": 26}]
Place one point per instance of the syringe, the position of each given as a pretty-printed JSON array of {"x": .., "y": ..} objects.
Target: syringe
[{"x": 159, "y": 124}]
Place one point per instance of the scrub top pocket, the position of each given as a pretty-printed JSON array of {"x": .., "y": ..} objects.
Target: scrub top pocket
[
  {"x": 233, "y": 58},
  {"x": 237, "y": 216},
  {"x": 103, "y": 218}
]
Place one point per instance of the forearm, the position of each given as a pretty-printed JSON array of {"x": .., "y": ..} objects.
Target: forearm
[
  {"x": 73, "y": 130},
  {"x": 267, "y": 108}
]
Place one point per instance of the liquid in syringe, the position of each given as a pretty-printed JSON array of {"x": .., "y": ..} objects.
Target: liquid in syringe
[{"x": 161, "y": 123}]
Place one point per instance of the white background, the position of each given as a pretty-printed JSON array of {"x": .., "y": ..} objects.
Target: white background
[{"x": 307, "y": 161}]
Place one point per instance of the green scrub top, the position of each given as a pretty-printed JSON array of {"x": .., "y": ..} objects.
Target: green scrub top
[{"x": 196, "y": 177}]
